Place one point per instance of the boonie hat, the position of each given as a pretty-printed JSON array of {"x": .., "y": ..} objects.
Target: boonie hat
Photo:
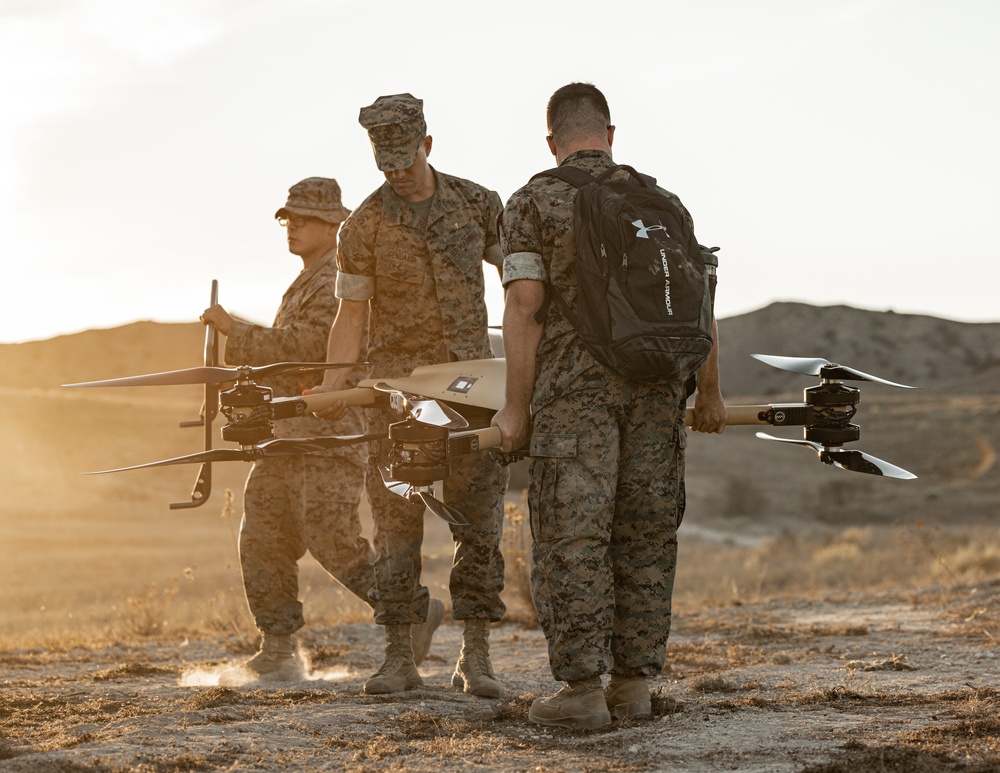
[
  {"x": 395, "y": 127},
  {"x": 317, "y": 197}
]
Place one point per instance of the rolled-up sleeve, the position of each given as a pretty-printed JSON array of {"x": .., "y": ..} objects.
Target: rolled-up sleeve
[
  {"x": 352, "y": 287},
  {"x": 521, "y": 239},
  {"x": 523, "y": 265},
  {"x": 356, "y": 252}
]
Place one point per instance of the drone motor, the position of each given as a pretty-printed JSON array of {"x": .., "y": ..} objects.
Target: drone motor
[
  {"x": 833, "y": 405},
  {"x": 248, "y": 409},
  {"x": 419, "y": 454}
]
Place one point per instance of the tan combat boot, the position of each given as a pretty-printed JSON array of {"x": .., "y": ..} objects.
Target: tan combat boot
[
  {"x": 580, "y": 704},
  {"x": 422, "y": 633},
  {"x": 398, "y": 672},
  {"x": 628, "y": 697},
  {"x": 274, "y": 662},
  {"x": 474, "y": 672}
]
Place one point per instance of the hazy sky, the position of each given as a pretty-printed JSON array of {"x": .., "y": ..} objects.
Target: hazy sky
[{"x": 838, "y": 151}]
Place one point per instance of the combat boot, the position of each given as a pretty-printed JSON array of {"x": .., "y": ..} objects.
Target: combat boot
[
  {"x": 274, "y": 662},
  {"x": 474, "y": 672},
  {"x": 580, "y": 704},
  {"x": 398, "y": 672},
  {"x": 628, "y": 697},
  {"x": 422, "y": 633}
]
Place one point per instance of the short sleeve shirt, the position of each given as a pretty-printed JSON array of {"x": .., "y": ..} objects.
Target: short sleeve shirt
[{"x": 423, "y": 279}]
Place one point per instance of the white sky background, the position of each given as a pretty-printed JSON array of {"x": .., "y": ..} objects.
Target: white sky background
[{"x": 838, "y": 151}]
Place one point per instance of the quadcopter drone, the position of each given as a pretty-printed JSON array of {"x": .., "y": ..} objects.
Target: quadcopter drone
[
  {"x": 430, "y": 436},
  {"x": 444, "y": 414}
]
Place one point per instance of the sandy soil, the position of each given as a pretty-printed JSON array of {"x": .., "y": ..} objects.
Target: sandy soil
[
  {"x": 835, "y": 683},
  {"x": 901, "y": 680}
]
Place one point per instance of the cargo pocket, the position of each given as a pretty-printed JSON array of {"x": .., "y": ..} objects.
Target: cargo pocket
[
  {"x": 549, "y": 455},
  {"x": 398, "y": 273},
  {"x": 465, "y": 248}
]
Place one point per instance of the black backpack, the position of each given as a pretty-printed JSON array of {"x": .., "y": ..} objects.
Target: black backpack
[{"x": 645, "y": 286}]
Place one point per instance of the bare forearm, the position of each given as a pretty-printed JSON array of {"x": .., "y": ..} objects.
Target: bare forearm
[
  {"x": 709, "y": 408},
  {"x": 521, "y": 336},
  {"x": 344, "y": 342},
  {"x": 708, "y": 374}
]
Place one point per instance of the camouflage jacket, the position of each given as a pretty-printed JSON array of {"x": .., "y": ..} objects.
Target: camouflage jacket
[
  {"x": 299, "y": 334},
  {"x": 536, "y": 237},
  {"x": 423, "y": 280}
]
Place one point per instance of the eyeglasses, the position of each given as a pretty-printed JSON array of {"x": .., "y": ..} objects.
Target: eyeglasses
[{"x": 297, "y": 222}]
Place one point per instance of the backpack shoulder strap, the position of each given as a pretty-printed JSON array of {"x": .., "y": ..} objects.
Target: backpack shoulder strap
[{"x": 577, "y": 178}]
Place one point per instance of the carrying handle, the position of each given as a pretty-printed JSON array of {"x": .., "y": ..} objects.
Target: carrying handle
[{"x": 643, "y": 179}]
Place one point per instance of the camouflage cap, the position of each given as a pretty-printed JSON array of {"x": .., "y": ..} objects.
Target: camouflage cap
[
  {"x": 395, "y": 127},
  {"x": 317, "y": 197}
]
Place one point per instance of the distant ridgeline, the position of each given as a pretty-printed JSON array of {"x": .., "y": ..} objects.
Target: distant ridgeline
[
  {"x": 140, "y": 347},
  {"x": 912, "y": 349}
]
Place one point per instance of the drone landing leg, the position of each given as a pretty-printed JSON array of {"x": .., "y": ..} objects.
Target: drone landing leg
[
  {"x": 202, "y": 488},
  {"x": 209, "y": 410}
]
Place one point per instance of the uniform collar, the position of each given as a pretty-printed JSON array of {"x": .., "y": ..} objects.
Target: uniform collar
[
  {"x": 444, "y": 200},
  {"x": 589, "y": 159},
  {"x": 330, "y": 256}
]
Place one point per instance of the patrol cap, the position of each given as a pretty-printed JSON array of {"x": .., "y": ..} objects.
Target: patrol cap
[
  {"x": 317, "y": 197},
  {"x": 395, "y": 127}
]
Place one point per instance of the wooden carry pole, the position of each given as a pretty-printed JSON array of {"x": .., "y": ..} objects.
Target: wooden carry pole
[{"x": 738, "y": 415}]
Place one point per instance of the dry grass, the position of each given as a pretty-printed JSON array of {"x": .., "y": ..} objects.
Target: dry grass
[
  {"x": 906, "y": 554},
  {"x": 99, "y": 609}
]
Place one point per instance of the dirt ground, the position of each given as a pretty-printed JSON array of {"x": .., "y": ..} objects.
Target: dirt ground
[
  {"x": 841, "y": 682},
  {"x": 824, "y": 622}
]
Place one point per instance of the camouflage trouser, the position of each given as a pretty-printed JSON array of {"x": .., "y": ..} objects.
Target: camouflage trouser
[
  {"x": 606, "y": 496},
  {"x": 293, "y": 504},
  {"x": 477, "y": 573}
]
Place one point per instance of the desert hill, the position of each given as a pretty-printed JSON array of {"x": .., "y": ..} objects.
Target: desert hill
[
  {"x": 141, "y": 347},
  {"x": 739, "y": 487},
  {"x": 911, "y": 349}
]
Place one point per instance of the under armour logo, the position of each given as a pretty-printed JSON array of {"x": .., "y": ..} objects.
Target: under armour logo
[{"x": 643, "y": 232}]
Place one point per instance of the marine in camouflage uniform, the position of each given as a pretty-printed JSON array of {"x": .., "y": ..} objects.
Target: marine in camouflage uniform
[
  {"x": 412, "y": 257},
  {"x": 305, "y": 502},
  {"x": 606, "y": 491}
]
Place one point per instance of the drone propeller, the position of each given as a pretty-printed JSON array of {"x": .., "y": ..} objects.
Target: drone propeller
[
  {"x": 816, "y": 366},
  {"x": 854, "y": 461},
  {"x": 269, "y": 448},
  {"x": 439, "y": 508},
  {"x": 424, "y": 494},
  {"x": 825, "y": 414},
  {"x": 212, "y": 375}
]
